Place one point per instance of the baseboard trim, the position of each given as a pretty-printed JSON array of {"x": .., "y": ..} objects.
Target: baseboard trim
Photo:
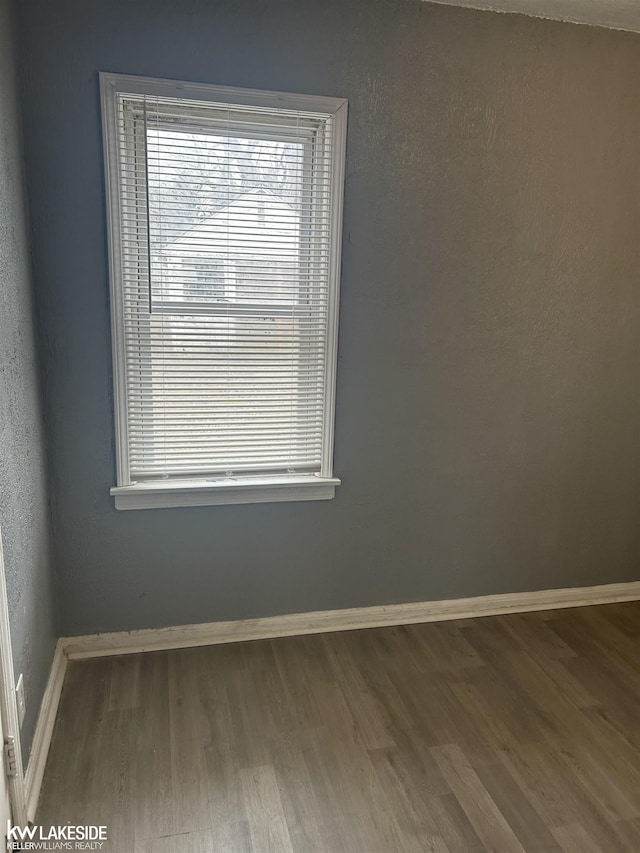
[
  {"x": 213, "y": 633},
  {"x": 44, "y": 731}
]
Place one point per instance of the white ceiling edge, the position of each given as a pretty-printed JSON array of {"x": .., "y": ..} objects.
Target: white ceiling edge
[{"x": 613, "y": 14}]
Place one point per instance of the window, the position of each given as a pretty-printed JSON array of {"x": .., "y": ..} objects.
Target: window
[{"x": 224, "y": 210}]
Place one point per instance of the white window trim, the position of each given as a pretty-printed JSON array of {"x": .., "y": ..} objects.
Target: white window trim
[{"x": 215, "y": 491}]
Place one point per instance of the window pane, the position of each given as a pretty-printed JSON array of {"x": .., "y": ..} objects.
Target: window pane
[
  {"x": 238, "y": 199},
  {"x": 227, "y": 394}
]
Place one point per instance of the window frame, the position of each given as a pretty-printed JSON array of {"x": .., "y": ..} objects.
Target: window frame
[{"x": 207, "y": 490}]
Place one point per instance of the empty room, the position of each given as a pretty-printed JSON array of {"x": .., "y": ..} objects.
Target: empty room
[{"x": 320, "y": 426}]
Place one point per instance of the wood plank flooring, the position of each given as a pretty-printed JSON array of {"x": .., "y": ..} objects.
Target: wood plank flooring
[{"x": 514, "y": 733}]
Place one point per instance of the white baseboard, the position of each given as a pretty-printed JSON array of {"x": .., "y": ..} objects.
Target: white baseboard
[
  {"x": 44, "y": 731},
  {"x": 212, "y": 633}
]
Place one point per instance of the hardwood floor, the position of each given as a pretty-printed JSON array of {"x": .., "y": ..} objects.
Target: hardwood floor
[{"x": 512, "y": 733}]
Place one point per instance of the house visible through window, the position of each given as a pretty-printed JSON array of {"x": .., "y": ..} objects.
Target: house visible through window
[
  {"x": 225, "y": 219},
  {"x": 205, "y": 281}
]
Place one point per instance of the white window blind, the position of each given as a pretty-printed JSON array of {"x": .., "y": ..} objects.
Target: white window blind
[{"x": 225, "y": 235}]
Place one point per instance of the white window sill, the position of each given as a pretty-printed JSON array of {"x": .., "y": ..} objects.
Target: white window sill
[{"x": 224, "y": 491}]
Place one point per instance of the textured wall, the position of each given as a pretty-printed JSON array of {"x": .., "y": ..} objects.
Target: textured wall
[
  {"x": 488, "y": 381},
  {"x": 24, "y": 506}
]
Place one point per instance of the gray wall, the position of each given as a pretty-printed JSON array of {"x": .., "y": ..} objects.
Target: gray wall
[
  {"x": 24, "y": 505},
  {"x": 488, "y": 386}
]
